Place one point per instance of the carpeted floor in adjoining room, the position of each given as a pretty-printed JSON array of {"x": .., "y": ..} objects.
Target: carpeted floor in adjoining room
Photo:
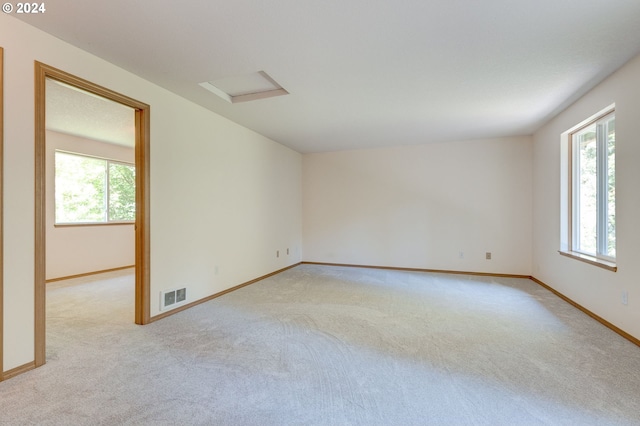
[{"x": 324, "y": 345}]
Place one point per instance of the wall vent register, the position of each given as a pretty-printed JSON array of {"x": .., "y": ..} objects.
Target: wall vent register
[{"x": 172, "y": 298}]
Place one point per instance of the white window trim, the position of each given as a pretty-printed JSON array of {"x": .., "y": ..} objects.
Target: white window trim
[{"x": 567, "y": 186}]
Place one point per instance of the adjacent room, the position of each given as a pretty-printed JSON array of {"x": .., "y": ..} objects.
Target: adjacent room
[
  {"x": 341, "y": 213},
  {"x": 90, "y": 186}
]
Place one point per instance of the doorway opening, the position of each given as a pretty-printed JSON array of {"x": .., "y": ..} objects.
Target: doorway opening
[{"x": 44, "y": 73}]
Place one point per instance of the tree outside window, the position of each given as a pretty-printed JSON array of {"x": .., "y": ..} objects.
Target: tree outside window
[
  {"x": 594, "y": 182},
  {"x": 93, "y": 190}
]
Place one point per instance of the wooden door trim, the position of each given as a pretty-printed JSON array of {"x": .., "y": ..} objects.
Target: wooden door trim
[
  {"x": 1, "y": 213},
  {"x": 142, "y": 123}
]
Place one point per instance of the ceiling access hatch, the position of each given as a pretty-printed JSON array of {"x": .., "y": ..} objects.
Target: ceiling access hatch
[{"x": 245, "y": 88}]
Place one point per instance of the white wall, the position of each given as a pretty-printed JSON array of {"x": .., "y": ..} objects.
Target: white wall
[
  {"x": 221, "y": 195},
  {"x": 81, "y": 249},
  {"x": 420, "y": 206},
  {"x": 594, "y": 288}
]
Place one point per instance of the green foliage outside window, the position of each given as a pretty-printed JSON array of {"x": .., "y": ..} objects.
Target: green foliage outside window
[
  {"x": 595, "y": 192},
  {"x": 122, "y": 192},
  {"x": 93, "y": 190}
]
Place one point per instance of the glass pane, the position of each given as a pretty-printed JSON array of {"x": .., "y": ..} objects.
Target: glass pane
[
  {"x": 79, "y": 188},
  {"x": 611, "y": 187},
  {"x": 122, "y": 192},
  {"x": 587, "y": 191}
]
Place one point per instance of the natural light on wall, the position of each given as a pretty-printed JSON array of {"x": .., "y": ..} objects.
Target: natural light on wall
[{"x": 90, "y": 190}]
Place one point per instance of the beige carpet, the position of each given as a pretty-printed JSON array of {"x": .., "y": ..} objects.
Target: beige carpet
[{"x": 319, "y": 345}]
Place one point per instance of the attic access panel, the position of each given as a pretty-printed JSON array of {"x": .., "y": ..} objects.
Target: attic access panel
[{"x": 245, "y": 88}]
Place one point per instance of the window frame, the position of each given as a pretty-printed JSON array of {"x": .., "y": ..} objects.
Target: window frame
[
  {"x": 569, "y": 222},
  {"x": 107, "y": 197}
]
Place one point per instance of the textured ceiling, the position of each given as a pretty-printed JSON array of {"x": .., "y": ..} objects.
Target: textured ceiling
[
  {"x": 365, "y": 73},
  {"x": 79, "y": 113}
]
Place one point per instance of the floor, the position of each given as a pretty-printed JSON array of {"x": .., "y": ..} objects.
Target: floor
[{"x": 320, "y": 345}]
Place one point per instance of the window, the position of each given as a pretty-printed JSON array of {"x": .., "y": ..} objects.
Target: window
[
  {"x": 592, "y": 189},
  {"x": 91, "y": 190}
]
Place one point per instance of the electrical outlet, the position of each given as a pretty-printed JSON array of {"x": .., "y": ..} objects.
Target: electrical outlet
[
  {"x": 461, "y": 255},
  {"x": 287, "y": 251},
  {"x": 488, "y": 255},
  {"x": 625, "y": 297},
  {"x": 277, "y": 253}
]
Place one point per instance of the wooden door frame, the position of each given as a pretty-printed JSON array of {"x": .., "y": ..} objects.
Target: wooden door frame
[
  {"x": 142, "y": 128},
  {"x": 1, "y": 213}
]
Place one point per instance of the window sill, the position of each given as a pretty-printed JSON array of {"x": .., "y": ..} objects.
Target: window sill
[
  {"x": 610, "y": 266},
  {"x": 75, "y": 225}
]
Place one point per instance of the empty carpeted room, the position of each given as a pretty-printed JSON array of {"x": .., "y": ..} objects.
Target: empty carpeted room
[{"x": 370, "y": 213}]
